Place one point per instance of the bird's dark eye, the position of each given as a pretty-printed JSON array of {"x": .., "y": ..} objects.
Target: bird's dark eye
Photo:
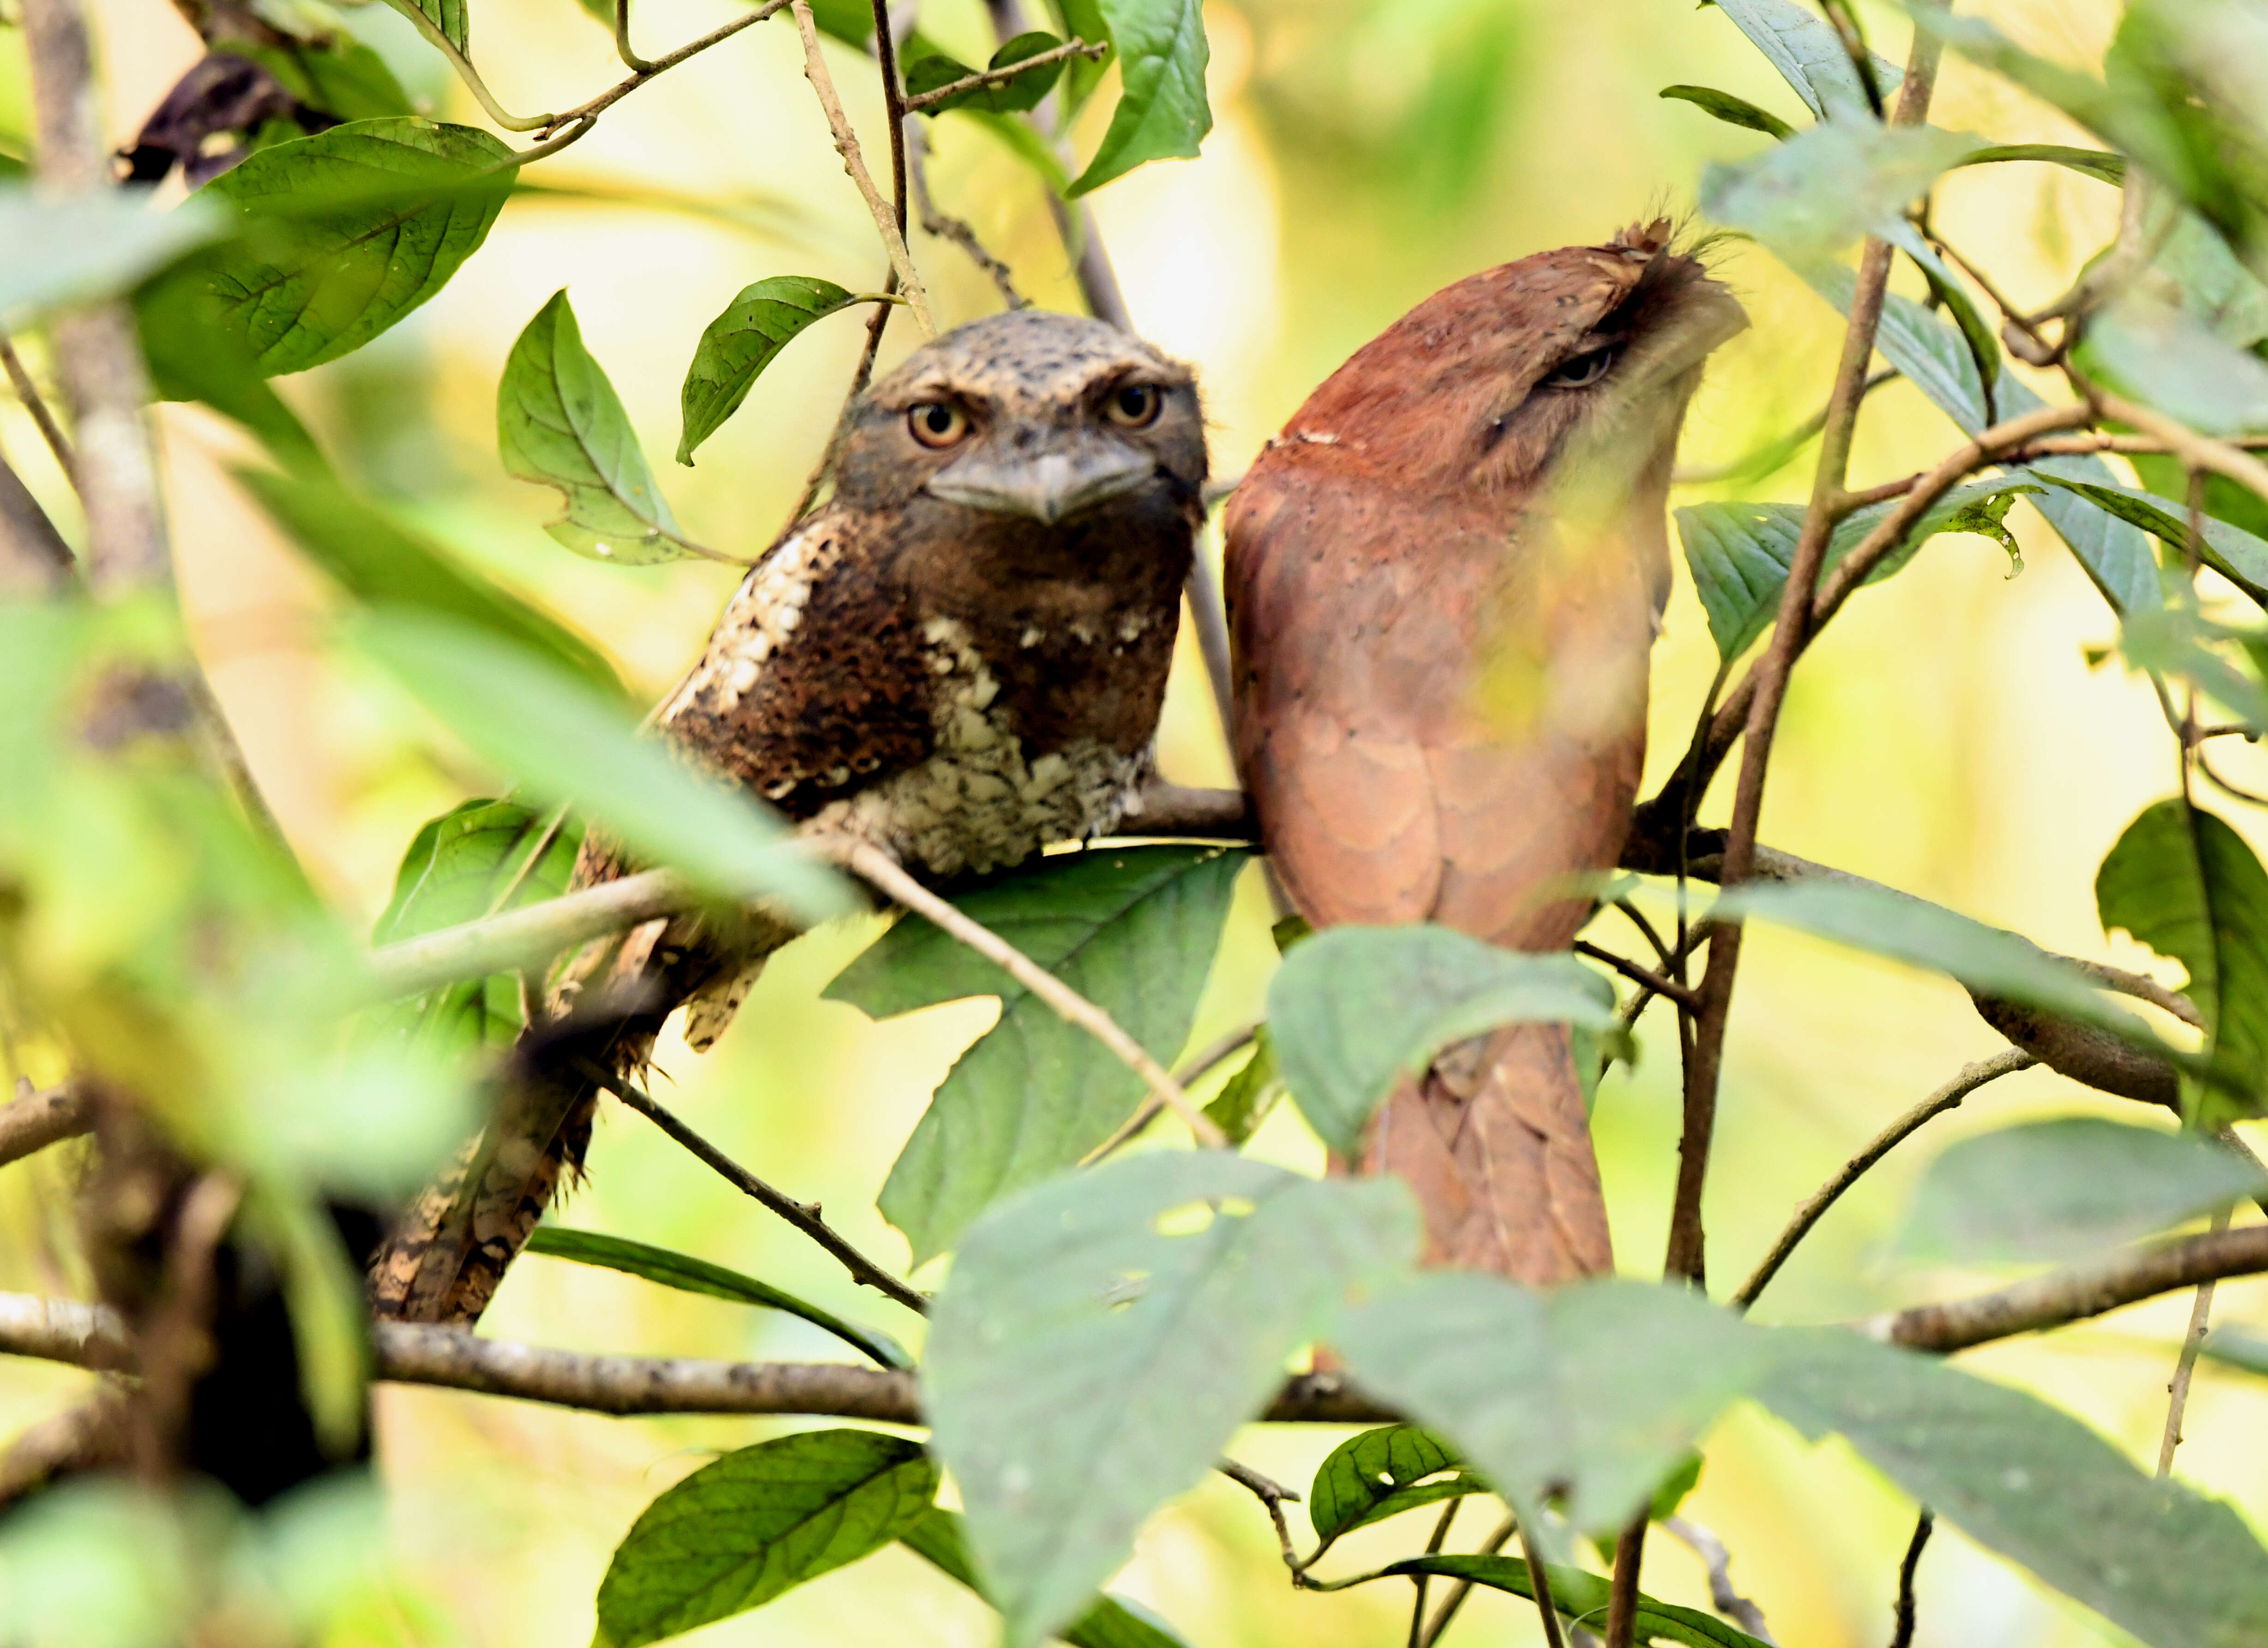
[
  {"x": 1585, "y": 369},
  {"x": 1135, "y": 406},
  {"x": 937, "y": 423}
]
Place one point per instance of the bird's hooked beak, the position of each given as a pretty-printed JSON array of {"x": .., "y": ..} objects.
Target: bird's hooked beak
[{"x": 1048, "y": 481}]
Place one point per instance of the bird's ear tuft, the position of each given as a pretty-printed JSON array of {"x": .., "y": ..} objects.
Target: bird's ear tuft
[{"x": 1650, "y": 236}]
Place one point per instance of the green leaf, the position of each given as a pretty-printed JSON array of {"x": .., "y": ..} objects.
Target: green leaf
[
  {"x": 2185, "y": 884},
  {"x": 1732, "y": 110},
  {"x": 551, "y": 732},
  {"x": 1670, "y": 1492},
  {"x": 2095, "y": 163},
  {"x": 194, "y": 354},
  {"x": 450, "y": 19},
  {"x": 2174, "y": 643},
  {"x": 559, "y": 423},
  {"x": 381, "y": 563},
  {"x": 741, "y": 342},
  {"x": 1009, "y": 98},
  {"x": 1583, "y": 1597},
  {"x": 1977, "y": 331},
  {"x": 2177, "y": 1569},
  {"x": 1111, "y": 1622},
  {"x": 1811, "y": 56},
  {"x": 1740, "y": 553},
  {"x": 1937, "y": 361},
  {"x": 1383, "y": 1473},
  {"x": 2067, "y": 1188},
  {"x": 1082, "y": 19},
  {"x": 2231, "y": 551},
  {"x": 758, "y": 1522},
  {"x": 2168, "y": 360},
  {"x": 1101, "y": 1338},
  {"x": 342, "y": 77},
  {"x": 343, "y": 233},
  {"x": 1597, "y": 1389},
  {"x": 1132, "y": 928},
  {"x": 1355, "y": 1009},
  {"x": 1162, "y": 112},
  {"x": 76, "y": 247},
  {"x": 2235, "y": 1347},
  {"x": 690, "y": 1275},
  {"x": 1246, "y": 1098},
  {"x": 1826, "y": 186},
  {"x": 850, "y": 21},
  {"x": 1985, "y": 960}
]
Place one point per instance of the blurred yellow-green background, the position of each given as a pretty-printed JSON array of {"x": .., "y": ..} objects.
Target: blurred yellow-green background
[{"x": 1948, "y": 737}]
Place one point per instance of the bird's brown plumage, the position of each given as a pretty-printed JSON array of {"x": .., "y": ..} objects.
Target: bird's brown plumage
[
  {"x": 960, "y": 658},
  {"x": 1444, "y": 579}
]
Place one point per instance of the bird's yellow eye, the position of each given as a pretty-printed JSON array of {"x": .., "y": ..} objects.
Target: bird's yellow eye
[
  {"x": 937, "y": 423},
  {"x": 1134, "y": 406}
]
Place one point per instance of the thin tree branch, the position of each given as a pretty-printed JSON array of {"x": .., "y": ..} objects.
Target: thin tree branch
[
  {"x": 805, "y": 1216},
  {"x": 36, "y": 404},
  {"x": 635, "y": 63},
  {"x": 1272, "y": 1496},
  {"x": 2198, "y": 452},
  {"x": 1722, "y": 1595},
  {"x": 948, "y": 227},
  {"x": 1902, "y": 1635},
  {"x": 2177, "y": 1390},
  {"x": 1463, "y": 1588},
  {"x": 846, "y": 144},
  {"x": 1419, "y": 1581},
  {"x": 983, "y": 78},
  {"x": 884, "y": 872},
  {"x": 33, "y": 1120},
  {"x": 34, "y": 560},
  {"x": 2075, "y": 1293},
  {"x": 1540, "y": 1580},
  {"x": 64, "y": 1330},
  {"x": 1188, "y": 1076},
  {"x": 1643, "y": 976},
  {"x": 1946, "y": 1098},
  {"x": 1622, "y": 1592}
]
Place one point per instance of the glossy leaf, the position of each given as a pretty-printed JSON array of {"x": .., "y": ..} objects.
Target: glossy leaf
[
  {"x": 2177, "y": 1570},
  {"x": 343, "y": 233},
  {"x": 1354, "y": 1010},
  {"x": 382, "y": 564},
  {"x": 1740, "y": 554},
  {"x": 550, "y": 732},
  {"x": 1826, "y": 186},
  {"x": 1246, "y": 1098},
  {"x": 1811, "y": 56},
  {"x": 1010, "y": 97},
  {"x": 741, "y": 342},
  {"x": 1101, "y": 1338},
  {"x": 1732, "y": 110},
  {"x": 559, "y": 423},
  {"x": 1598, "y": 1388},
  {"x": 2067, "y": 1187},
  {"x": 1111, "y": 1622},
  {"x": 756, "y": 1523},
  {"x": 2184, "y": 883},
  {"x": 690, "y": 1275},
  {"x": 78, "y": 248},
  {"x": 1582, "y": 1597},
  {"x": 1162, "y": 112},
  {"x": 1383, "y": 1473},
  {"x": 1133, "y": 929},
  {"x": 1937, "y": 360}
]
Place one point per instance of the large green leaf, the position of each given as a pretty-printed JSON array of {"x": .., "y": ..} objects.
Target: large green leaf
[
  {"x": 2169, "y": 359},
  {"x": 1162, "y": 112},
  {"x": 76, "y": 247},
  {"x": 1132, "y": 928},
  {"x": 382, "y": 564},
  {"x": 542, "y": 726},
  {"x": 1938, "y": 362},
  {"x": 1740, "y": 553},
  {"x": 690, "y": 1275},
  {"x": 2184, "y": 883},
  {"x": 1583, "y": 1597},
  {"x": 342, "y": 233},
  {"x": 1111, "y": 1622},
  {"x": 1597, "y": 1390},
  {"x": 1827, "y": 185},
  {"x": 559, "y": 423},
  {"x": 1354, "y": 1010},
  {"x": 740, "y": 343},
  {"x": 1101, "y": 1338},
  {"x": 2177, "y": 1570},
  {"x": 194, "y": 353},
  {"x": 1383, "y": 1473},
  {"x": 758, "y": 1522},
  {"x": 2229, "y": 550},
  {"x": 2067, "y": 1187},
  {"x": 1810, "y": 56}
]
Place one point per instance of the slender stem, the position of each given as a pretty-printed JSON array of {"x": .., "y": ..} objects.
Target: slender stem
[
  {"x": 1419, "y": 1581},
  {"x": 1271, "y": 1495},
  {"x": 894, "y": 104},
  {"x": 804, "y": 1216},
  {"x": 1723, "y": 1595},
  {"x": 1946, "y": 1098},
  {"x": 2177, "y": 1390},
  {"x": 1645, "y": 977},
  {"x": 469, "y": 75},
  {"x": 1539, "y": 1582},
  {"x": 638, "y": 64},
  {"x": 1903, "y": 1634},
  {"x": 2198, "y": 452},
  {"x": 846, "y": 144},
  {"x": 1188, "y": 1076},
  {"x": 34, "y": 557},
  {"x": 1463, "y": 1588},
  {"x": 529, "y": 936},
  {"x": 36, "y": 404},
  {"x": 983, "y": 78},
  {"x": 959, "y": 230},
  {"x": 879, "y": 868}
]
